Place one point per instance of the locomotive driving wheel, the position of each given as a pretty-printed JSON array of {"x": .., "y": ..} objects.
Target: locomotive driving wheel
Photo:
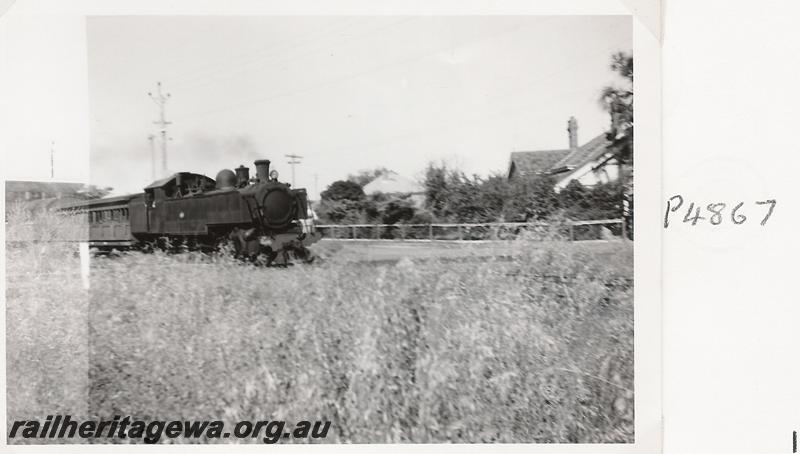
[{"x": 303, "y": 254}]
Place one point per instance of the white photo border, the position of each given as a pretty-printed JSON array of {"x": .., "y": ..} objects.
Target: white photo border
[{"x": 647, "y": 149}]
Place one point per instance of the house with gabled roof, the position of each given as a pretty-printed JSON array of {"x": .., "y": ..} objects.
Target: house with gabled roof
[
  {"x": 391, "y": 183},
  {"x": 529, "y": 164},
  {"x": 591, "y": 163}
]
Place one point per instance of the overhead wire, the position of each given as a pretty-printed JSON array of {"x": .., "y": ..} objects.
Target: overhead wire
[
  {"x": 321, "y": 48},
  {"x": 346, "y": 77},
  {"x": 221, "y": 67},
  {"x": 482, "y": 115},
  {"x": 289, "y": 45}
]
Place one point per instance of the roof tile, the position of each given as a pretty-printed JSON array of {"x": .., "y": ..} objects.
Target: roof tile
[
  {"x": 530, "y": 163},
  {"x": 578, "y": 157}
]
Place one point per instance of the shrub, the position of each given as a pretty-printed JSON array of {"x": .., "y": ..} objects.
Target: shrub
[
  {"x": 602, "y": 201},
  {"x": 531, "y": 199},
  {"x": 343, "y": 190},
  {"x": 450, "y": 195},
  {"x": 397, "y": 211}
]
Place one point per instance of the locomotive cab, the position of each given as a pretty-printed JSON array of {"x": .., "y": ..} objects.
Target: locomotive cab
[{"x": 178, "y": 185}]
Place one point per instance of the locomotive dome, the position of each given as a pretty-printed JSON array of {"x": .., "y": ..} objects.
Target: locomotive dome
[{"x": 226, "y": 179}]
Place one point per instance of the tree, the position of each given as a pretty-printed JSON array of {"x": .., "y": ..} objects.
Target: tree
[
  {"x": 341, "y": 211},
  {"x": 397, "y": 211},
  {"x": 451, "y": 195},
  {"x": 343, "y": 190},
  {"x": 494, "y": 194},
  {"x": 618, "y": 101},
  {"x": 534, "y": 199},
  {"x": 602, "y": 201},
  {"x": 574, "y": 197},
  {"x": 436, "y": 189}
]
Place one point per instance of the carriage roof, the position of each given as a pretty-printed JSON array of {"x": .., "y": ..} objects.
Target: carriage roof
[
  {"x": 172, "y": 179},
  {"x": 100, "y": 203}
]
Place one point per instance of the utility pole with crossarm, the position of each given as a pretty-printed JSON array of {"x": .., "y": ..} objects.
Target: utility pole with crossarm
[
  {"x": 151, "y": 138},
  {"x": 161, "y": 99},
  {"x": 52, "y": 165},
  {"x": 293, "y": 159}
]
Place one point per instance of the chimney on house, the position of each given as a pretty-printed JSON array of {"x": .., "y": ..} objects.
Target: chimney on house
[{"x": 572, "y": 129}]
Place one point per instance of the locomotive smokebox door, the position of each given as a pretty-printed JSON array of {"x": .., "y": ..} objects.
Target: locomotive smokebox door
[{"x": 278, "y": 207}]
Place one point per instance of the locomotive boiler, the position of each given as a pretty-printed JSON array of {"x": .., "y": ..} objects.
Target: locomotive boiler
[{"x": 258, "y": 217}]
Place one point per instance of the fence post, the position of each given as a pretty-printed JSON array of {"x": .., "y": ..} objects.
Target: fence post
[
  {"x": 460, "y": 233},
  {"x": 624, "y": 233},
  {"x": 430, "y": 232},
  {"x": 353, "y": 228},
  {"x": 375, "y": 231},
  {"x": 571, "y": 232}
]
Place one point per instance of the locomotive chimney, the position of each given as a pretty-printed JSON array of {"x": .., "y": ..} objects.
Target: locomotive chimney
[
  {"x": 242, "y": 175},
  {"x": 262, "y": 170}
]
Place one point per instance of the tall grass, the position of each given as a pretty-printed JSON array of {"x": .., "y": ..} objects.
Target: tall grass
[
  {"x": 47, "y": 351},
  {"x": 537, "y": 349}
]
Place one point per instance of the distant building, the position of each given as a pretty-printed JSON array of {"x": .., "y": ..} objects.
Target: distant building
[
  {"x": 391, "y": 183},
  {"x": 44, "y": 195},
  {"x": 591, "y": 163}
]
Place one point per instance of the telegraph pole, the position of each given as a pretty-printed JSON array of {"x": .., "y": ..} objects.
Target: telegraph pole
[
  {"x": 293, "y": 159},
  {"x": 52, "y": 152},
  {"x": 161, "y": 99},
  {"x": 151, "y": 139}
]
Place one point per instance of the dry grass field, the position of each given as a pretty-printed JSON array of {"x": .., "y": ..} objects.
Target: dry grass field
[{"x": 538, "y": 348}]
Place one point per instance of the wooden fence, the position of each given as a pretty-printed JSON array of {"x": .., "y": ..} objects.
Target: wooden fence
[
  {"x": 572, "y": 230},
  {"x": 603, "y": 229}
]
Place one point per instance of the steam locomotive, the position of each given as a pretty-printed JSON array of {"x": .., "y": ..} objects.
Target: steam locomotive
[{"x": 259, "y": 217}]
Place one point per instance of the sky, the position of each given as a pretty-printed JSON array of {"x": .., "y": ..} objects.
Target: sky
[{"x": 347, "y": 93}]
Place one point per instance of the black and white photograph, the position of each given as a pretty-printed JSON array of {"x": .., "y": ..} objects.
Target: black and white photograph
[{"x": 327, "y": 229}]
